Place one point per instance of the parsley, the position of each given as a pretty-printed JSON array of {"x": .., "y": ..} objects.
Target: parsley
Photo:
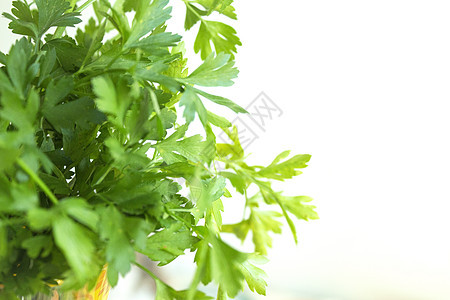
[{"x": 91, "y": 147}]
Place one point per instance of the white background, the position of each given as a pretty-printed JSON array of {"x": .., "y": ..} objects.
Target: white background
[{"x": 364, "y": 88}]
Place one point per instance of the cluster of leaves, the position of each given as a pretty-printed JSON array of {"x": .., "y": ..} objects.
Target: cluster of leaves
[{"x": 91, "y": 148}]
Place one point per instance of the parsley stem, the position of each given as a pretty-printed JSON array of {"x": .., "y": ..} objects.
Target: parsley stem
[
  {"x": 202, "y": 253},
  {"x": 87, "y": 79},
  {"x": 146, "y": 271},
  {"x": 155, "y": 102},
  {"x": 60, "y": 30},
  {"x": 181, "y": 210},
  {"x": 73, "y": 3},
  {"x": 37, "y": 180},
  {"x": 84, "y": 6},
  {"x": 188, "y": 5},
  {"x": 246, "y": 203},
  {"x": 180, "y": 220}
]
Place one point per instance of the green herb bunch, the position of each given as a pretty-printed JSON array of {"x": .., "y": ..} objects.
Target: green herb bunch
[{"x": 91, "y": 149}]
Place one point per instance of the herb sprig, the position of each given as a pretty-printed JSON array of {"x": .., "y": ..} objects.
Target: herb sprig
[{"x": 91, "y": 149}]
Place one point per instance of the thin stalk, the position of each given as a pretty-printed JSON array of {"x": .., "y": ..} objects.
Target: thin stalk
[
  {"x": 38, "y": 181},
  {"x": 246, "y": 203},
  {"x": 73, "y": 3},
  {"x": 84, "y": 6},
  {"x": 197, "y": 276},
  {"x": 146, "y": 271},
  {"x": 155, "y": 102},
  {"x": 169, "y": 212},
  {"x": 59, "y": 32},
  {"x": 87, "y": 78},
  {"x": 181, "y": 210},
  {"x": 188, "y": 6}
]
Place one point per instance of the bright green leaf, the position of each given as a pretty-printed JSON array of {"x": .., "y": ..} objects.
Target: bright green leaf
[
  {"x": 174, "y": 148},
  {"x": 254, "y": 277},
  {"x": 221, "y": 35},
  {"x": 77, "y": 245},
  {"x": 205, "y": 192},
  {"x": 216, "y": 70},
  {"x": 119, "y": 251},
  {"x": 286, "y": 169},
  {"x": 295, "y": 205},
  {"x": 148, "y": 17},
  {"x": 81, "y": 211},
  {"x": 192, "y": 105},
  {"x": 166, "y": 245}
]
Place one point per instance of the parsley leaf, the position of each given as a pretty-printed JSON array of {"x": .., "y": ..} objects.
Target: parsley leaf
[
  {"x": 166, "y": 245},
  {"x": 119, "y": 252},
  {"x": 215, "y": 71},
  {"x": 77, "y": 245},
  {"x": 286, "y": 169},
  {"x": 254, "y": 275},
  {"x": 53, "y": 13},
  {"x": 148, "y": 17},
  {"x": 192, "y": 103},
  {"x": 260, "y": 222},
  {"x": 175, "y": 149},
  {"x": 206, "y": 192},
  {"x": 221, "y": 35},
  {"x": 217, "y": 261},
  {"x": 165, "y": 292},
  {"x": 24, "y": 21},
  {"x": 81, "y": 112}
]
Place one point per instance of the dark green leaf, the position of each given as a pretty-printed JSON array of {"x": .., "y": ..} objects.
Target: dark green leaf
[
  {"x": 70, "y": 55},
  {"x": 57, "y": 90},
  {"x": 24, "y": 22},
  {"x": 2, "y": 58},
  {"x": 81, "y": 112},
  {"x": 57, "y": 185},
  {"x": 47, "y": 65},
  {"x": 38, "y": 245},
  {"x": 53, "y": 13}
]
